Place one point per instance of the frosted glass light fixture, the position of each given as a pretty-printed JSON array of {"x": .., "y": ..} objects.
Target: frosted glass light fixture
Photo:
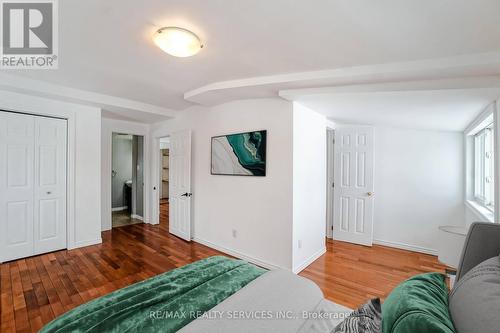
[{"x": 178, "y": 42}]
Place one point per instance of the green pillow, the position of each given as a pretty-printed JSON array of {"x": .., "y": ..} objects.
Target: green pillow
[{"x": 419, "y": 304}]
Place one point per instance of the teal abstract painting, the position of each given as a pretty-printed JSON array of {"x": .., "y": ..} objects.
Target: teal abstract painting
[{"x": 242, "y": 154}]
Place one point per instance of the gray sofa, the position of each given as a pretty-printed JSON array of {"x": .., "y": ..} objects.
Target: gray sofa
[
  {"x": 482, "y": 243},
  {"x": 474, "y": 302}
]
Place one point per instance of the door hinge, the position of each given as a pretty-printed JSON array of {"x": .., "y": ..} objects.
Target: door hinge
[{"x": 333, "y": 184}]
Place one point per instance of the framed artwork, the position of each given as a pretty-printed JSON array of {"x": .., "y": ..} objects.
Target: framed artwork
[{"x": 241, "y": 154}]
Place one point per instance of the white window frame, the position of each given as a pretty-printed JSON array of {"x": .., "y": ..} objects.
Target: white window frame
[
  {"x": 479, "y": 201},
  {"x": 484, "y": 167}
]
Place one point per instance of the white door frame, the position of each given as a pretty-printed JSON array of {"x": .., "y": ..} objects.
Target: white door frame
[
  {"x": 108, "y": 127},
  {"x": 155, "y": 188},
  {"x": 70, "y": 118},
  {"x": 160, "y": 171},
  {"x": 110, "y": 215},
  {"x": 330, "y": 137}
]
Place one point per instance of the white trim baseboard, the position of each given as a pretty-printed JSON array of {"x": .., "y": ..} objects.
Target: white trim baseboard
[
  {"x": 404, "y": 246},
  {"x": 137, "y": 217},
  {"x": 239, "y": 255},
  {"x": 117, "y": 209},
  {"x": 86, "y": 243},
  {"x": 309, "y": 261}
]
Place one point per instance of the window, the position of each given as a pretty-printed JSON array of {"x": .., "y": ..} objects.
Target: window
[{"x": 484, "y": 189}]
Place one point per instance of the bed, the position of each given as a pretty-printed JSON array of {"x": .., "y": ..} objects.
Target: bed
[
  {"x": 217, "y": 294},
  {"x": 277, "y": 301}
]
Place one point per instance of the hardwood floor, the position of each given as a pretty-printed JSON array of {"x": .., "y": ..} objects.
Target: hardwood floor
[
  {"x": 37, "y": 289},
  {"x": 121, "y": 218},
  {"x": 351, "y": 274},
  {"x": 164, "y": 209}
]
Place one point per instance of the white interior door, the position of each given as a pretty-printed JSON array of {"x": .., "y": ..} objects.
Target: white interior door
[
  {"x": 180, "y": 185},
  {"x": 32, "y": 185},
  {"x": 50, "y": 185},
  {"x": 353, "y": 190},
  {"x": 16, "y": 185}
]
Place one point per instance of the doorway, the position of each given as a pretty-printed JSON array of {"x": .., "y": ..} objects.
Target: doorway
[
  {"x": 176, "y": 211},
  {"x": 127, "y": 179}
]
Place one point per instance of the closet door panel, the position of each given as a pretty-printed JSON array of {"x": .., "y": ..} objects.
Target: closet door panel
[
  {"x": 50, "y": 185},
  {"x": 16, "y": 185}
]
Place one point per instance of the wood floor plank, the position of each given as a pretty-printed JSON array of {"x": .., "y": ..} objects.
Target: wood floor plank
[
  {"x": 59, "y": 287},
  {"x": 35, "y": 290},
  {"x": 19, "y": 301},
  {"x": 7, "y": 310},
  {"x": 32, "y": 304},
  {"x": 50, "y": 291}
]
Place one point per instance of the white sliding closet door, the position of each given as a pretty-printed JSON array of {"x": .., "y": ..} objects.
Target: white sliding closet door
[
  {"x": 17, "y": 162},
  {"x": 32, "y": 185},
  {"x": 50, "y": 185}
]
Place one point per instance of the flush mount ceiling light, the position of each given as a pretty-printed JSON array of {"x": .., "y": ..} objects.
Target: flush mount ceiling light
[{"x": 177, "y": 41}]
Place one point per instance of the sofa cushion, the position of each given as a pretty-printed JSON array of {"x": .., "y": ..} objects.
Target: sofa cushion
[
  {"x": 419, "y": 304},
  {"x": 475, "y": 299}
]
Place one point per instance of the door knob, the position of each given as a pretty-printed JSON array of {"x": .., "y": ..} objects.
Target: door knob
[
  {"x": 49, "y": 192},
  {"x": 186, "y": 194},
  {"x": 369, "y": 194}
]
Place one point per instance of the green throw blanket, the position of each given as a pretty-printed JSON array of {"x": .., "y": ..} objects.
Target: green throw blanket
[{"x": 164, "y": 303}]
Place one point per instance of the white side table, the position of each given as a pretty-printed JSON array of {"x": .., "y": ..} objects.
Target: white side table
[{"x": 451, "y": 242}]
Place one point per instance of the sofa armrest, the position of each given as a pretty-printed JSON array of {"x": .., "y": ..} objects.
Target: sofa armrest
[{"x": 482, "y": 242}]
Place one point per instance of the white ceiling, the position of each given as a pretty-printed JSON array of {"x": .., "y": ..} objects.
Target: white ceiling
[
  {"x": 448, "y": 110},
  {"x": 106, "y": 47}
]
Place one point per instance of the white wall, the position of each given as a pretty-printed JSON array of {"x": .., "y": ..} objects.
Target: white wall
[
  {"x": 84, "y": 161},
  {"x": 258, "y": 208},
  {"x": 309, "y": 190},
  {"x": 419, "y": 185},
  {"x": 472, "y": 216},
  {"x": 87, "y": 176},
  {"x": 108, "y": 126}
]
